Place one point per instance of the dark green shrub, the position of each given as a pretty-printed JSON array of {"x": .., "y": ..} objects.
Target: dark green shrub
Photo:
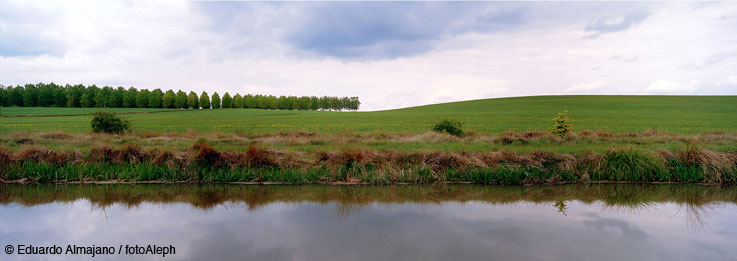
[
  {"x": 452, "y": 127},
  {"x": 109, "y": 123}
]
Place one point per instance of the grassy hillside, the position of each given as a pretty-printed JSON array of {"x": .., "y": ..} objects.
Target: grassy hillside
[
  {"x": 634, "y": 138},
  {"x": 617, "y": 114}
]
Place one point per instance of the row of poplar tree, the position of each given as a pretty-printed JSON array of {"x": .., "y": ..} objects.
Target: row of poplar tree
[{"x": 54, "y": 95}]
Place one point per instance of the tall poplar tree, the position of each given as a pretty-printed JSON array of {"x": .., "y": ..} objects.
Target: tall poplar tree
[
  {"x": 227, "y": 101},
  {"x": 192, "y": 101},
  {"x": 216, "y": 101},
  {"x": 167, "y": 101},
  {"x": 180, "y": 101}
]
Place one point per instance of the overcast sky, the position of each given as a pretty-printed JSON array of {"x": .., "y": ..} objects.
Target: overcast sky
[{"x": 391, "y": 55}]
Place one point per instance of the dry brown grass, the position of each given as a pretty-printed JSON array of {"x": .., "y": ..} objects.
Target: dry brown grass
[
  {"x": 355, "y": 150},
  {"x": 254, "y": 156},
  {"x": 525, "y": 141},
  {"x": 129, "y": 153},
  {"x": 172, "y": 159},
  {"x": 395, "y": 164},
  {"x": 5, "y": 159},
  {"x": 496, "y": 158},
  {"x": 56, "y": 135},
  {"x": 593, "y": 134},
  {"x": 523, "y": 138},
  {"x": 292, "y": 159},
  {"x": 258, "y": 156},
  {"x": 713, "y": 164},
  {"x": 428, "y": 137},
  {"x": 207, "y": 155},
  {"x": 588, "y": 163},
  {"x": 39, "y": 154},
  {"x": 346, "y": 156}
]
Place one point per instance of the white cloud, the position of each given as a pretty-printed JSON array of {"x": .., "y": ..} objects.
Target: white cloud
[
  {"x": 729, "y": 81},
  {"x": 671, "y": 87},
  {"x": 587, "y": 87}
]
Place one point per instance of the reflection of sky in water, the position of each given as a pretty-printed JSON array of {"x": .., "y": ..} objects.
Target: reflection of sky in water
[{"x": 447, "y": 231}]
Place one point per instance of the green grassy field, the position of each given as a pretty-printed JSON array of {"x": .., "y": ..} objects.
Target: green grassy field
[
  {"x": 689, "y": 139},
  {"x": 616, "y": 114}
]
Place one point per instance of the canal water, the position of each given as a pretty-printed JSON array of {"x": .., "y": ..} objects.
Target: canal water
[{"x": 419, "y": 222}]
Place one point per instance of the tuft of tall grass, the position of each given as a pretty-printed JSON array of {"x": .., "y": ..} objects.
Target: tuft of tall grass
[
  {"x": 631, "y": 165},
  {"x": 713, "y": 167}
]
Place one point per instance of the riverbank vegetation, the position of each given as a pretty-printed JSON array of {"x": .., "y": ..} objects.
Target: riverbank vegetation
[
  {"x": 690, "y": 139},
  {"x": 203, "y": 163},
  {"x": 529, "y": 141}
]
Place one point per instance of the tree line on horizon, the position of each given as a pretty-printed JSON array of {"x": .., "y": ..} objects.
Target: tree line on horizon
[{"x": 54, "y": 95}]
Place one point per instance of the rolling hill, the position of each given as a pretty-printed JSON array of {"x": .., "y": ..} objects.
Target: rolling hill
[{"x": 677, "y": 114}]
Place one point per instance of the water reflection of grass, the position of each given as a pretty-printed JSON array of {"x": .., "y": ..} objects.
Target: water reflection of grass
[
  {"x": 623, "y": 196},
  {"x": 695, "y": 200}
]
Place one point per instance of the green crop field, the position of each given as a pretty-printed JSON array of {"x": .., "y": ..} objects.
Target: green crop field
[
  {"x": 629, "y": 138},
  {"x": 617, "y": 114}
]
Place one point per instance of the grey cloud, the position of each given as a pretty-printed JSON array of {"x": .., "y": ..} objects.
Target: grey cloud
[
  {"x": 22, "y": 31},
  {"x": 628, "y": 231},
  {"x": 390, "y": 30},
  {"x": 385, "y": 30},
  {"x": 718, "y": 58},
  {"x": 305, "y": 230},
  {"x": 614, "y": 24}
]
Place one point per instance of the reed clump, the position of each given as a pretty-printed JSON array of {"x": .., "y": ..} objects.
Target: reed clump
[
  {"x": 714, "y": 166},
  {"x": 631, "y": 165}
]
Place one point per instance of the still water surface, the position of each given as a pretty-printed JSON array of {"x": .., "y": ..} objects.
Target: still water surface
[{"x": 440, "y": 222}]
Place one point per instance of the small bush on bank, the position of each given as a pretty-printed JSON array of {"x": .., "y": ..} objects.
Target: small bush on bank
[
  {"x": 561, "y": 127},
  {"x": 452, "y": 127},
  {"x": 109, "y": 123}
]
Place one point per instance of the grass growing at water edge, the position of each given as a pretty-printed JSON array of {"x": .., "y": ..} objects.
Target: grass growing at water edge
[{"x": 203, "y": 163}]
